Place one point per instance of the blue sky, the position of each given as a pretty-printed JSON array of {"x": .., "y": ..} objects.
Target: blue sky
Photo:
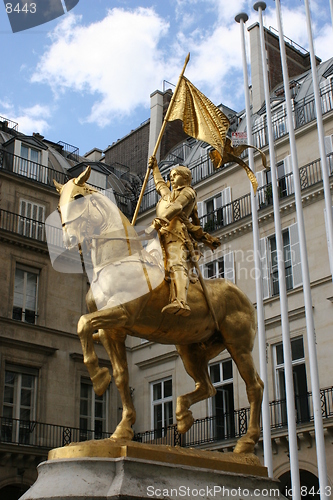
[{"x": 86, "y": 77}]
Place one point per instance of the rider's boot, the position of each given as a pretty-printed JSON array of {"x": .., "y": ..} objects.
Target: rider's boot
[{"x": 179, "y": 287}]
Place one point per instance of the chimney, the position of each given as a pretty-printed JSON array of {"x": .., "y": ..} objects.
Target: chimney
[
  {"x": 257, "y": 78},
  {"x": 156, "y": 120}
]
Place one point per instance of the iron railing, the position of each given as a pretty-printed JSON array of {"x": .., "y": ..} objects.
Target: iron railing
[
  {"x": 41, "y": 435},
  {"x": 231, "y": 426},
  {"x": 240, "y": 208},
  {"x": 30, "y": 169},
  {"x": 29, "y": 228},
  {"x": 304, "y": 111},
  {"x": 227, "y": 426}
]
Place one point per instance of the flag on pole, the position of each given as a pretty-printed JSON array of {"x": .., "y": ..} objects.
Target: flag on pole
[{"x": 206, "y": 122}]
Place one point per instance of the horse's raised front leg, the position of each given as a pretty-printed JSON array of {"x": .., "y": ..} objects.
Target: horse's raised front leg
[
  {"x": 87, "y": 324},
  {"x": 114, "y": 345},
  {"x": 195, "y": 358}
]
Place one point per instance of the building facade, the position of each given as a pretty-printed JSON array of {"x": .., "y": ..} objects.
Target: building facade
[{"x": 45, "y": 394}]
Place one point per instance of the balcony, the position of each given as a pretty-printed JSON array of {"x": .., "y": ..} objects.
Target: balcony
[
  {"x": 219, "y": 428},
  {"x": 40, "y": 435},
  {"x": 303, "y": 112},
  {"x": 240, "y": 208},
  {"x": 228, "y": 427}
]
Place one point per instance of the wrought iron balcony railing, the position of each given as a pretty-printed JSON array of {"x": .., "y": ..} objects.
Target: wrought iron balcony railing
[
  {"x": 30, "y": 169},
  {"x": 304, "y": 111},
  {"x": 40, "y": 435},
  {"x": 240, "y": 208},
  {"x": 231, "y": 426},
  {"x": 222, "y": 427}
]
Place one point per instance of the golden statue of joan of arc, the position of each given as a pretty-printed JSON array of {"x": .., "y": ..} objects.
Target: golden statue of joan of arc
[
  {"x": 178, "y": 225},
  {"x": 176, "y": 219}
]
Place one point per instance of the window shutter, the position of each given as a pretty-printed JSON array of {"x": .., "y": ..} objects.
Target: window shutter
[
  {"x": 261, "y": 178},
  {"x": 229, "y": 266},
  {"x": 328, "y": 240},
  {"x": 226, "y": 200},
  {"x": 264, "y": 267},
  {"x": 328, "y": 144},
  {"x": 200, "y": 205},
  {"x": 295, "y": 255},
  {"x": 288, "y": 172},
  {"x": 329, "y": 151},
  {"x": 204, "y": 271}
]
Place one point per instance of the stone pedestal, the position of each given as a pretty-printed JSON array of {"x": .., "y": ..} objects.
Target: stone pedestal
[{"x": 102, "y": 470}]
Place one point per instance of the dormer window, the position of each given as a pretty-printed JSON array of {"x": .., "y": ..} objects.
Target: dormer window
[{"x": 29, "y": 160}]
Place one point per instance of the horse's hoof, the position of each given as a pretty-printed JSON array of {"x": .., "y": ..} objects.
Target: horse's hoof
[
  {"x": 122, "y": 434},
  {"x": 101, "y": 381},
  {"x": 245, "y": 446},
  {"x": 184, "y": 422}
]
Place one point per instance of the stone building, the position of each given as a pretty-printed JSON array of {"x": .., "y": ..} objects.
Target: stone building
[
  {"x": 224, "y": 206},
  {"x": 46, "y": 396}
]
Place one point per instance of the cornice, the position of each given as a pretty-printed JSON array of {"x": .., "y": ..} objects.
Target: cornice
[
  {"x": 36, "y": 328},
  {"x": 157, "y": 360},
  {"x": 28, "y": 346}
]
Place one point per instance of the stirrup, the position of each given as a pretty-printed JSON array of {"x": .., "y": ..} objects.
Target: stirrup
[{"x": 178, "y": 308}]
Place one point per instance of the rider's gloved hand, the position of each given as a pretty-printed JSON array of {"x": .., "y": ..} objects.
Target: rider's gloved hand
[{"x": 152, "y": 162}]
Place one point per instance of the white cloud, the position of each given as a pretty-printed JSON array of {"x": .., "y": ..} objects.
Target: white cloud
[
  {"x": 116, "y": 59},
  {"x": 32, "y": 119}
]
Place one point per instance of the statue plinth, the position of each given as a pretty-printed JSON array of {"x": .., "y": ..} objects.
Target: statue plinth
[{"x": 126, "y": 470}]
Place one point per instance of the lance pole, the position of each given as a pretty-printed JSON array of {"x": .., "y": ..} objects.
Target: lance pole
[{"x": 144, "y": 184}]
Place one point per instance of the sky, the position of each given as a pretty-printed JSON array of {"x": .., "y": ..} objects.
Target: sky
[{"x": 86, "y": 77}]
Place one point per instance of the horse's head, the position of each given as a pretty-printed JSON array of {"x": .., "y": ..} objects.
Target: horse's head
[{"x": 73, "y": 208}]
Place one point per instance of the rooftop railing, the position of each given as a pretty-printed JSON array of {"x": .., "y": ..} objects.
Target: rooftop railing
[{"x": 30, "y": 169}]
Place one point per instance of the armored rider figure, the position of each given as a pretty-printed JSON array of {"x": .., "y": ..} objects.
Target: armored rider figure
[{"x": 178, "y": 225}]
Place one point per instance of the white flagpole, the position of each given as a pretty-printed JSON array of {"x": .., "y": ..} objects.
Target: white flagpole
[
  {"x": 331, "y": 5},
  {"x": 319, "y": 431},
  {"x": 321, "y": 137},
  {"x": 288, "y": 370},
  {"x": 268, "y": 457}
]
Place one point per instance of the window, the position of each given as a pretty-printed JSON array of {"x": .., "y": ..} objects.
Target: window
[
  {"x": 329, "y": 152},
  {"x": 269, "y": 261},
  {"x": 19, "y": 404},
  {"x": 300, "y": 383},
  {"x": 31, "y": 223},
  {"x": 285, "y": 177},
  {"x": 216, "y": 212},
  {"x": 279, "y": 120},
  {"x": 222, "y": 404},
  {"x": 25, "y": 294},
  {"x": 93, "y": 413},
  {"x": 223, "y": 267},
  {"x": 29, "y": 160},
  {"x": 274, "y": 263},
  {"x": 162, "y": 409}
]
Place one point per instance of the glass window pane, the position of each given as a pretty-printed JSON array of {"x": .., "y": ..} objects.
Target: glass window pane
[
  {"x": 26, "y": 397},
  {"x": 84, "y": 390},
  {"x": 9, "y": 395},
  {"x": 27, "y": 380},
  {"x": 215, "y": 373},
  {"x": 25, "y": 414},
  {"x": 279, "y": 354},
  {"x": 168, "y": 418},
  {"x": 99, "y": 409},
  {"x": 10, "y": 378},
  {"x": 168, "y": 388},
  {"x": 227, "y": 370},
  {"x": 211, "y": 270},
  {"x": 157, "y": 416},
  {"x": 157, "y": 391},
  {"x": 83, "y": 407},
  {"x": 297, "y": 349},
  {"x": 24, "y": 152}
]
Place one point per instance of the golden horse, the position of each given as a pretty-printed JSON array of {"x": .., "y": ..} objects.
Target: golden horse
[{"x": 127, "y": 293}]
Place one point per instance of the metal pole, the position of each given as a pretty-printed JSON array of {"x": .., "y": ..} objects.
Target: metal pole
[
  {"x": 288, "y": 370},
  {"x": 319, "y": 431},
  {"x": 331, "y": 5},
  {"x": 268, "y": 457},
  {"x": 321, "y": 137}
]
